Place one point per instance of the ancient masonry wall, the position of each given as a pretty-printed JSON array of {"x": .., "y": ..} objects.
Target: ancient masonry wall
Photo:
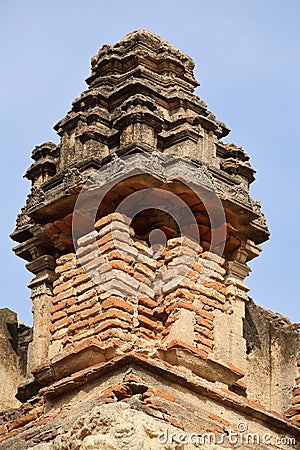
[
  {"x": 273, "y": 345},
  {"x": 14, "y": 340},
  {"x": 130, "y": 407},
  {"x": 123, "y": 297},
  {"x": 119, "y": 294}
]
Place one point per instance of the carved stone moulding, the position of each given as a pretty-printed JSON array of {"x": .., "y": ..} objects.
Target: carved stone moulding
[
  {"x": 23, "y": 219},
  {"x": 72, "y": 178},
  {"x": 35, "y": 198},
  {"x": 162, "y": 166}
]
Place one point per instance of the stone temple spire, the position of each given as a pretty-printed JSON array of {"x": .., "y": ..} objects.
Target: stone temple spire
[
  {"x": 138, "y": 229},
  {"x": 140, "y": 98},
  {"x": 139, "y": 113}
]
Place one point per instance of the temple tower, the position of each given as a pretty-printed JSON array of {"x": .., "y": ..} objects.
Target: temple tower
[{"x": 138, "y": 229}]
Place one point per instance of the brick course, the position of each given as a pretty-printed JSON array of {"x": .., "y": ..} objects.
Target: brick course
[{"x": 126, "y": 288}]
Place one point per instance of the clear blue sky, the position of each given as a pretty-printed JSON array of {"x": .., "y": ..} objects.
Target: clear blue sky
[{"x": 247, "y": 61}]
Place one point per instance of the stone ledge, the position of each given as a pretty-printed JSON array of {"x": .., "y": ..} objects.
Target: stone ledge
[
  {"x": 175, "y": 374},
  {"x": 180, "y": 354},
  {"x": 92, "y": 352}
]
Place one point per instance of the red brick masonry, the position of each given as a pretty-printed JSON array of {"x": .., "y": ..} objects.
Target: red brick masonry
[{"x": 116, "y": 291}]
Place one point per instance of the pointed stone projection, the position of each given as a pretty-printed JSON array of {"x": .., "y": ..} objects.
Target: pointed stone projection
[{"x": 138, "y": 230}]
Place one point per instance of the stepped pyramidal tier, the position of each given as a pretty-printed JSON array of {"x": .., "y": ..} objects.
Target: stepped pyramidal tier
[{"x": 138, "y": 230}]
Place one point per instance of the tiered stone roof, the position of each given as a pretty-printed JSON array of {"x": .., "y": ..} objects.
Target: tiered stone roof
[{"x": 140, "y": 98}]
